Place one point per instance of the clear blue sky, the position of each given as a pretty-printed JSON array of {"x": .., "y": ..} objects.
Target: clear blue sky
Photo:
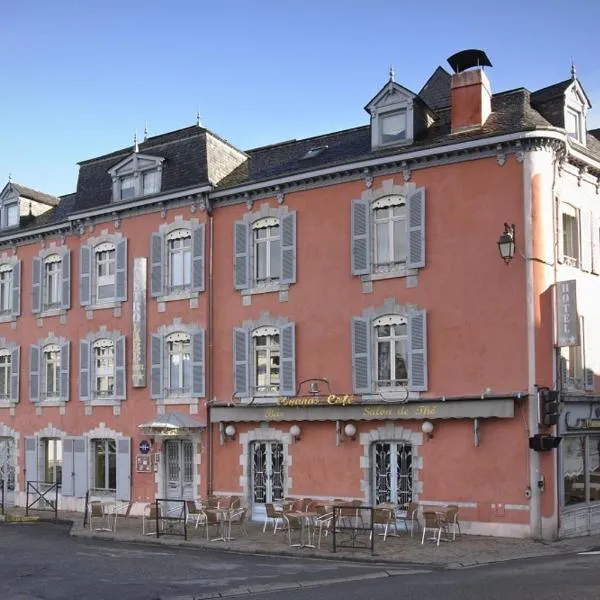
[{"x": 80, "y": 76}]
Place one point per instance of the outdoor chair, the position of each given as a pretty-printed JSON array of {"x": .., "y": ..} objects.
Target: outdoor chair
[
  {"x": 234, "y": 502},
  {"x": 211, "y": 519},
  {"x": 383, "y": 517},
  {"x": 322, "y": 523},
  {"x": 209, "y": 502},
  {"x": 432, "y": 522},
  {"x": 96, "y": 511},
  {"x": 294, "y": 523},
  {"x": 149, "y": 516},
  {"x": 411, "y": 517},
  {"x": 193, "y": 513},
  {"x": 237, "y": 518},
  {"x": 450, "y": 520},
  {"x": 273, "y": 515},
  {"x": 306, "y": 504},
  {"x": 121, "y": 510}
]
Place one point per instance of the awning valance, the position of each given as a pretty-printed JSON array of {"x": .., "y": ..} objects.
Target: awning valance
[{"x": 171, "y": 423}]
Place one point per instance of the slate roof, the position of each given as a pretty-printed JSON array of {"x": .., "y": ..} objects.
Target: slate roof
[
  {"x": 31, "y": 194},
  {"x": 185, "y": 150}
]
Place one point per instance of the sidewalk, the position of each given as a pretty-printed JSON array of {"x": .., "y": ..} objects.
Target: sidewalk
[{"x": 468, "y": 550}]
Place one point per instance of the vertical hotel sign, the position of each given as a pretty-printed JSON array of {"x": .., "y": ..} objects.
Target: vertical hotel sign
[
  {"x": 567, "y": 333},
  {"x": 138, "y": 327}
]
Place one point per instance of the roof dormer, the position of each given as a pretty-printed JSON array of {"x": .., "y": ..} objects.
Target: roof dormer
[
  {"x": 135, "y": 176},
  {"x": 576, "y": 106},
  {"x": 18, "y": 201},
  {"x": 397, "y": 115}
]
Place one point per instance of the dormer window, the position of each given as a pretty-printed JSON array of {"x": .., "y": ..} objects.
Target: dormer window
[
  {"x": 12, "y": 215},
  {"x": 576, "y": 106},
  {"x": 393, "y": 127},
  {"x": 136, "y": 176},
  {"x": 573, "y": 124}
]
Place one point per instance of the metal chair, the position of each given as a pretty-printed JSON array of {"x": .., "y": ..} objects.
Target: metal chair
[
  {"x": 433, "y": 523},
  {"x": 411, "y": 517},
  {"x": 294, "y": 523},
  {"x": 237, "y": 518},
  {"x": 193, "y": 513},
  {"x": 450, "y": 520},
  {"x": 273, "y": 515},
  {"x": 384, "y": 517},
  {"x": 96, "y": 511}
]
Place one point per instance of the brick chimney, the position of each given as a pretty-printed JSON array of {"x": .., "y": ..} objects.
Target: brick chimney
[{"x": 471, "y": 99}]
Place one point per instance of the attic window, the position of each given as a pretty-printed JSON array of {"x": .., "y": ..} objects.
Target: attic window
[
  {"x": 314, "y": 152},
  {"x": 393, "y": 127},
  {"x": 573, "y": 124},
  {"x": 136, "y": 176},
  {"x": 12, "y": 215}
]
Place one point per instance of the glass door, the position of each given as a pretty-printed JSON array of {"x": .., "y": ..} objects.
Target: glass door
[
  {"x": 393, "y": 477},
  {"x": 268, "y": 475},
  {"x": 7, "y": 470},
  {"x": 179, "y": 469}
]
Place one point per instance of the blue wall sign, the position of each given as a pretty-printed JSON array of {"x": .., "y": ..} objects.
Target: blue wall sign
[{"x": 145, "y": 446}]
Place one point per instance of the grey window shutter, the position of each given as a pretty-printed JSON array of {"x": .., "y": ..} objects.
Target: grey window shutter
[
  {"x": 36, "y": 285},
  {"x": 84, "y": 370},
  {"x": 15, "y": 370},
  {"x": 85, "y": 275},
  {"x": 34, "y": 373},
  {"x": 361, "y": 355},
  {"x": 156, "y": 366},
  {"x": 64, "y": 371},
  {"x": 198, "y": 368},
  {"x": 415, "y": 210},
  {"x": 585, "y": 223},
  {"x": 67, "y": 467},
  {"x": 417, "y": 351},
  {"x": 560, "y": 241},
  {"x": 120, "y": 380},
  {"x": 31, "y": 469},
  {"x": 198, "y": 259},
  {"x": 361, "y": 234},
  {"x": 595, "y": 245},
  {"x": 240, "y": 362},
  {"x": 288, "y": 248},
  {"x": 123, "y": 491},
  {"x": 241, "y": 266},
  {"x": 80, "y": 467},
  {"x": 121, "y": 271},
  {"x": 288, "y": 359},
  {"x": 16, "y": 289},
  {"x": 66, "y": 280},
  {"x": 157, "y": 264}
]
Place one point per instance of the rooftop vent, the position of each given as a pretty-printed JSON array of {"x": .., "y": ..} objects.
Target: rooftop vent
[
  {"x": 314, "y": 152},
  {"x": 466, "y": 59}
]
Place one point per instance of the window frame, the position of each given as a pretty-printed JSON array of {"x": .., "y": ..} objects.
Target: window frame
[
  {"x": 180, "y": 339},
  {"x": 6, "y": 365},
  {"x": 271, "y": 239},
  {"x": 6, "y": 289},
  {"x": 52, "y": 472},
  {"x": 47, "y": 350},
  {"x": 135, "y": 168},
  {"x": 386, "y": 116},
  {"x": 183, "y": 236},
  {"x": 102, "y": 447},
  {"x": 8, "y": 207},
  {"x": 571, "y": 235},
  {"x": 272, "y": 353},
  {"x": 103, "y": 352},
  {"x": 391, "y": 340}
]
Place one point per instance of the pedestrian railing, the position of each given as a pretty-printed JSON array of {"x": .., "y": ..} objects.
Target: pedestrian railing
[
  {"x": 42, "y": 496},
  {"x": 353, "y": 528}
]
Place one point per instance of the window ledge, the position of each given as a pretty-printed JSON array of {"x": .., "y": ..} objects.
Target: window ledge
[
  {"x": 266, "y": 289},
  {"x": 52, "y": 402},
  {"x": 7, "y": 317},
  {"x": 104, "y": 304},
  {"x": 102, "y": 402},
  {"x": 184, "y": 295},
  {"x": 176, "y": 399},
  {"x": 387, "y": 395},
  {"x": 391, "y": 274},
  {"x": 7, "y": 404},
  {"x": 51, "y": 312}
]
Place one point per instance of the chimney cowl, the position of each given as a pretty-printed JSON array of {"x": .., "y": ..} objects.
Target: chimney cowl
[{"x": 466, "y": 59}]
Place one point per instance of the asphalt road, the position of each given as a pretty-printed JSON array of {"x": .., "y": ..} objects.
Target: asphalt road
[{"x": 40, "y": 561}]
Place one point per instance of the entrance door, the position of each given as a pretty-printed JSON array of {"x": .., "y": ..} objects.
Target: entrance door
[
  {"x": 7, "y": 471},
  {"x": 393, "y": 476},
  {"x": 268, "y": 475},
  {"x": 179, "y": 468}
]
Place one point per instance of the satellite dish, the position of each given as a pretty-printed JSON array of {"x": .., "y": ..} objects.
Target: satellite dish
[{"x": 465, "y": 59}]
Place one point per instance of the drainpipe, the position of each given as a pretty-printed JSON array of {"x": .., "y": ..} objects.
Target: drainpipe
[{"x": 210, "y": 350}]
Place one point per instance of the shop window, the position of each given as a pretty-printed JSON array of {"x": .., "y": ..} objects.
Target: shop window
[{"x": 573, "y": 449}]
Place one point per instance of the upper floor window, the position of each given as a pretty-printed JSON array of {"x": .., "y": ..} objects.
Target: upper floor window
[
  {"x": 177, "y": 260},
  {"x": 177, "y": 363},
  {"x": 9, "y": 371},
  {"x": 135, "y": 176},
  {"x": 574, "y": 124},
  {"x": 12, "y": 215},
  {"x": 127, "y": 187},
  {"x": 264, "y": 360},
  {"x": 103, "y": 272},
  {"x": 49, "y": 371},
  {"x": 389, "y": 351},
  {"x": 150, "y": 183},
  {"x": 102, "y": 367},
  {"x": 50, "y": 287},
  {"x": 10, "y": 289},
  {"x": 393, "y": 127},
  {"x": 265, "y": 250},
  {"x": 388, "y": 234},
  {"x": 5, "y": 288},
  {"x": 570, "y": 235},
  {"x": 5, "y": 374}
]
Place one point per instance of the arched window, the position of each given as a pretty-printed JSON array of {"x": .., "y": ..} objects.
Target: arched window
[
  {"x": 179, "y": 262},
  {"x": 178, "y": 363},
  {"x": 266, "y": 359},
  {"x": 267, "y": 250}
]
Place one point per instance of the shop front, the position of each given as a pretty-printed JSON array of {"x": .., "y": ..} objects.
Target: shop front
[{"x": 579, "y": 466}]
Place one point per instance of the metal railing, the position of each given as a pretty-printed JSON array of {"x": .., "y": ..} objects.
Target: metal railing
[
  {"x": 44, "y": 496},
  {"x": 171, "y": 517},
  {"x": 353, "y": 528},
  {"x": 2, "y": 496}
]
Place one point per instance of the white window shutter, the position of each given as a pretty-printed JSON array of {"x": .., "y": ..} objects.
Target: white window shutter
[
  {"x": 415, "y": 209},
  {"x": 288, "y": 359},
  {"x": 64, "y": 371},
  {"x": 560, "y": 242},
  {"x": 80, "y": 467},
  {"x": 198, "y": 259},
  {"x": 85, "y": 275},
  {"x": 157, "y": 264},
  {"x": 31, "y": 469},
  {"x": 361, "y": 355},
  {"x": 417, "y": 356},
  {"x": 156, "y": 366},
  {"x": 16, "y": 289},
  {"x": 34, "y": 373},
  {"x": 361, "y": 235},
  {"x": 66, "y": 280},
  {"x": 288, "y": 248},
  {"x": 198, "y": 367},
  {"x": 120, "y": 376},
  {"x": 586, "y": 240},
  {"x": 241, "y": 262},
  {"x": 36, "y": 285},
  {"x": 15, "y": 373},
  {"x": 121, "y": 271},
  {"x": 123, "y": 491},
  {"x": 241, "y": 362},
  {"x": 67, "y": 467}
]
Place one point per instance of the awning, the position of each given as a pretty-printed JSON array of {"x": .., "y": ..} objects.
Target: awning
[{"x": 171, "y": 423}]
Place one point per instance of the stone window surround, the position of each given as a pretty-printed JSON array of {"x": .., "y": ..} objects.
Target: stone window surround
[
  {"x": 10, "y": 346},
  {"x": 99, "y": 433},
  {"x": 49, "y": 432},
  {"x": 264, "y": 320},
  {"x": 165, "y": 229},
  {"x": 6, "y": 259},
  {"x": 43, "y": 254},
  {"x": 575, "y": 104},
  {"x": 121, "y": 169},
  {"x": 249, "y": 218},
  {"x": 101, "y": 334},
  {"x": 387, "y": 188},
  {"x": 390, "y": 431},
  {"x": 50, "y": 339},
  {"x": 389, "y": 307},
  {"x": 8, "y": 432},
  {"x": 177, "y": 326},
  {"x": 92, "y": 242}
]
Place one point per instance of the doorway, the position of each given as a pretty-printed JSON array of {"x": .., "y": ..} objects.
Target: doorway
[
  {"x": 393, "y": 472},
  {"x": 7, "y": 470},
  {"x": 268, "y": 475},
  {"x": 179, "y": 469}
]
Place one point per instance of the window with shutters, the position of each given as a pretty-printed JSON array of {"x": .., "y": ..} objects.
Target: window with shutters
[
  {"x": 177, "y": 363},
  {"x": 104, "y": 457},
  {"x": 570, "y": 232},
  {"x": 51, "y": 281},
  {"x": 5, "y": 374},
  {"x": 103, "y": 272},
  {"x": 388, "y": 232},
  {"x": 51, "y": 372},
  {"x": 136, "y": 176},
  {"x": 177, "y": 260},
  {"x": 389, "y": 352},
  {"x": 5, "y": 289},
  {"x": 9, "y": 371},
  {"x": 264, "y": 357},
  {"x": 52, "y": 452},
  {"x": 104, "y": 368},
  {"x": 265, "y": 251}
]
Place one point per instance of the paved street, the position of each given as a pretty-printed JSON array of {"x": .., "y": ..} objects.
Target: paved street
[{"x": 41, "y": 561}]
